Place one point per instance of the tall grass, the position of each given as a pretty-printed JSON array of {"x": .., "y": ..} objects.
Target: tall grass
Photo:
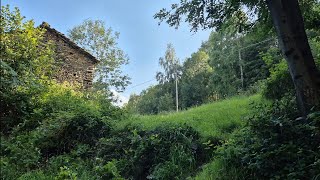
[{"x": 216, "y": 119}]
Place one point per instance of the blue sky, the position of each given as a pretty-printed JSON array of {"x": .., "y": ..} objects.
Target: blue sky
[{"x": 140, "y": 36}]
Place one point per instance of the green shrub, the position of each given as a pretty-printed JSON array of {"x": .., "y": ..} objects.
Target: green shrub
[
  {"x": 108, "y": 171},
  {"x": 66, "y": 130},
  {"x": 179, "y": 161},
  {"x": 63, "y": 120},
  {"x": 36, "y": 175},
  {"x": 66, "y": 174},
  {"x": 275, "y": 145},
  {"x": 18, "y": 154},
  {"x": 167, "y": 152},
  {"x": 62, "y": 167},
  {"x": 26, "y": 65},
  {"x": 279, "y": 83}
]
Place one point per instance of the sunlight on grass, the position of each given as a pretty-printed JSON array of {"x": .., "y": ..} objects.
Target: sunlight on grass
[{"x": 217, "y": 119}]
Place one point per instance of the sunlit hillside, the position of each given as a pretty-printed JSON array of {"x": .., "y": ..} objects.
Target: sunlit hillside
[{"x": 217, "y": 119}]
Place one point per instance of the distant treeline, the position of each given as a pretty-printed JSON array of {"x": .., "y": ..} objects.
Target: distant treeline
[{"x": 227, "y": 64}]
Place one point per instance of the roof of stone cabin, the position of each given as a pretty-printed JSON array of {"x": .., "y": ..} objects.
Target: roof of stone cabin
[{"x": 46, "y": 26}]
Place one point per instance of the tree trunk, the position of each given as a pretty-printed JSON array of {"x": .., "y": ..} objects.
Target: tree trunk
[{"x": 288, "y": 21}]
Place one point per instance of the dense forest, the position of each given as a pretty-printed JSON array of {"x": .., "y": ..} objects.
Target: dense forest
[{"x": 240, "y": 113}]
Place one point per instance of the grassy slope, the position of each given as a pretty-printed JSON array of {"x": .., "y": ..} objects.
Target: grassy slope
[{"x": 217, "y": 119}]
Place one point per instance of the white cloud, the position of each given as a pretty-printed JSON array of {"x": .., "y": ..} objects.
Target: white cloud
[{"x": 119, "y": 99}]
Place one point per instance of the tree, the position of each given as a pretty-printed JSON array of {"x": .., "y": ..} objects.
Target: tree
[
  {"x": 172, "y": 71},
  {"x": 25, "y": 67},
  {"x": 195, "y": 80},
  {"x": 289, "y": 25},
  {"x": 100, "y": 41},
  {"x": 131, "y": 106},
  {"x": 223, "y": 58},
  {"x": 160, "y": 98},
  {"x": 170, "y": 65},
  {"x": 294, "y": 44},
  {"x": 153, "y": 100}
]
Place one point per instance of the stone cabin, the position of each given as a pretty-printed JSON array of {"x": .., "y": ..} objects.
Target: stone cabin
[{"x": 74, "y": 63}]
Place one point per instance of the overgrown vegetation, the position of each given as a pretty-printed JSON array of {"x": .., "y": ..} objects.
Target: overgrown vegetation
[
  {"x": 167, "y": 152},
  {"x": 274, "y": 145},
  {"x": 211, "y": 120},
  {"x": 57, "y": 131}
]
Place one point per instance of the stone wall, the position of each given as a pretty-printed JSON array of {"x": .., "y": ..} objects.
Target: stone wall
[{"x": 74, "y": 65}]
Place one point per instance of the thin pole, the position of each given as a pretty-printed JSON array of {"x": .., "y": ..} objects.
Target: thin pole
[
  {"x": 241, "y": 68},
  {"x": 177, "y": 100}
]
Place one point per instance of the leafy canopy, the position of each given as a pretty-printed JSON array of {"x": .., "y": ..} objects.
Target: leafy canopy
[
  {"x": 211, "y": 13},
  {"x": 101, "y": 42},
  {"x": 207, "y": 14}
]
